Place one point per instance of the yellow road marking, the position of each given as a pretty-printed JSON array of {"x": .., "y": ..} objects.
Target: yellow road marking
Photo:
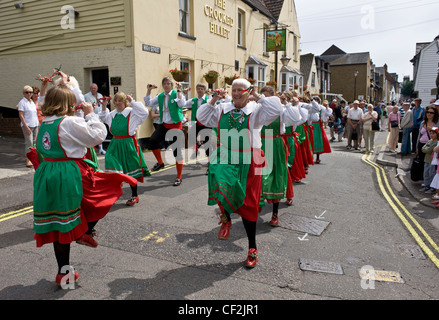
[
  {"x": 154, "y": 235},
  {"x": 14, "y": 214},
  {"x": 381, "y": 275},
  {"x": 379, "y": 169}
]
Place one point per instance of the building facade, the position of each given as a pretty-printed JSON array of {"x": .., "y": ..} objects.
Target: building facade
[
  {"x": 426, "y": 71},
  {"x": 123, "y": 45},
  {"x": 350, "y": 73},
  {"x": 308, "y": 67}
]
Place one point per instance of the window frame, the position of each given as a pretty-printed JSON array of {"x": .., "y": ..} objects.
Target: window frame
[{"x": 186, "y": 13}]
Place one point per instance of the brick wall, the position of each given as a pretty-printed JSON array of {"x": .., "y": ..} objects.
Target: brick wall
[
  {"x": 342, "y": 81},
  {"x": 10, "y": 127}
]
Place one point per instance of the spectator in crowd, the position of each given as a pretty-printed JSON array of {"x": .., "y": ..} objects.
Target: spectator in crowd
[
  {"x": 27, "y": 112},
  {"x": 418, "y": 116},
  {"x": 369, "y": 135},
  {"x": 353, "y": 125},
  {"x": 393, "y": 125},
  {"x": 95, "y": 98},
  {"x": 384, "y": 115},
  {"x": 377, "y": 109},
  {"x": 429, "y": 168},
  {"x": 406, "y": 126},
  {"x": 430, "y": 120}
]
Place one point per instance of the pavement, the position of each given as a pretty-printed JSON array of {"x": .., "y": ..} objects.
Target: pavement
[
  {"x": 402, "y": 165},
  {"x": 12, "y": 165}
]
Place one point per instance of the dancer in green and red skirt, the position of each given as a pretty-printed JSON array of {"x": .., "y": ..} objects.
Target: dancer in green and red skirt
[
  {"x": 276, "y": 181},
  {"x": 124, "y": 154},
  {"x": 235, "y": 167},
  {"x": 70, "y": 196},
  {"x": 321, "y": 142}
]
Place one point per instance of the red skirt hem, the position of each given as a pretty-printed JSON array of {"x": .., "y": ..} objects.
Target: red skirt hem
[{"x": 100, "y": 191}]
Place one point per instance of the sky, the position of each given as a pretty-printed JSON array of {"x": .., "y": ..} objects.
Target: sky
[{"x": 387, "y": 29}]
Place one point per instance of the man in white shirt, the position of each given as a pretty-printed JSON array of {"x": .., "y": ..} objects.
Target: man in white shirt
[
  {"x": 171, "y": 103},
  {"x": 94, "y": 97},
  {"x": 354, "y": 124}
]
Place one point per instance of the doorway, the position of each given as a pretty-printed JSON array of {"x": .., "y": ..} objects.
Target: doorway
[{"x": 101, "y": 78}]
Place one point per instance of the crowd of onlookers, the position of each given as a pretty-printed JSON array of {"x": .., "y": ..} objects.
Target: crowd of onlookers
[
  {"x": 358, "y": 121},
  {"x": 409, "y": 123}
]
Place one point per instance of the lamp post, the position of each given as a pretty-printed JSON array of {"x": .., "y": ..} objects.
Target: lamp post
[{"x": 355, "y": 84}]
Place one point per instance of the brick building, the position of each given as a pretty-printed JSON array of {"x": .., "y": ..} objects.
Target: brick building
[{"x": 350, "y": 73}]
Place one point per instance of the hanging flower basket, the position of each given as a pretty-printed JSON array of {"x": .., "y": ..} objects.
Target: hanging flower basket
[
  {"x": 272, "y": 84},
  {"x": 229, "y": 80},
  {"x": 179, "y": 75},
  {"x": 252, "y": 81},
  {"x": 211, "y": 76}
]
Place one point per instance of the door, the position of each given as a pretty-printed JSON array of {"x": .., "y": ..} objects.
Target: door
[{"x": 101, "y": 78}]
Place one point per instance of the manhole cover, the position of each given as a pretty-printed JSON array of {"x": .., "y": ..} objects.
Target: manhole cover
[
  {"x": 381, "y": 275},
  {"x": 320, "y": 266},
  {"x": 302, "y": 224},
  {"x": 411, "y": 251}
]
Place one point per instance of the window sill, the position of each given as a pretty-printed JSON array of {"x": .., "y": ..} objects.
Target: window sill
[
  {"x": 241, "y": 47},
  {"x": 185, "y": 35}
]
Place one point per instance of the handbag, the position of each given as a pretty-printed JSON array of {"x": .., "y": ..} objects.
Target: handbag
[
  {"x": 375, "y": 126},
  {"x": 394, "y": 123},
  {"x": 417, "y": 169}
]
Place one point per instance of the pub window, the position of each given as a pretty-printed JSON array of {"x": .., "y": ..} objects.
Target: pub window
[
  {"x": 261, "y": 77},
  {"x": 184, "y": 16},
  {"x": 257, "y": 73},
  {"x": 283, "y": 81},
  {"x": 294, "y": 47},
  {"x": 185, "y": 64},
  {"x": 265, "y": 40},
  {"x": 240, "y": 28},
  {"x": 291, "y": 82}
]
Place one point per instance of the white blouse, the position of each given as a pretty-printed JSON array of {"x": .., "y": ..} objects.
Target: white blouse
[
  {"x": 263, "y": 112},
  {"x": 325, "y": 114},
  {"x": 76, "y": 134},
  {"x": 29, "y": 112},
  {"x": 290, "y": 117},
  {"x": 138, "y": 111}
]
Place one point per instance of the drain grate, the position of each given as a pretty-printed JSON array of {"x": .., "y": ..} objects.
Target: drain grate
[
  {"x": 302, "y": 224},
  {"x": 411, "y": 251},
  {"x": 320, "y": 266}
]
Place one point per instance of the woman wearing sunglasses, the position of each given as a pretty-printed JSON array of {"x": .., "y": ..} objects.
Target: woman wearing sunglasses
[{"x": 27, "y": 112}]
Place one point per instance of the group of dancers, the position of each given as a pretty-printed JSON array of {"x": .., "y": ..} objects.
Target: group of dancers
[{"x": 278, "y": 135}]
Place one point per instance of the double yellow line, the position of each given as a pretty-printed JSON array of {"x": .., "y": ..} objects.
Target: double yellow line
[
  {"x": 16, "y": 213},
  {"x": 402, "y": 213}
]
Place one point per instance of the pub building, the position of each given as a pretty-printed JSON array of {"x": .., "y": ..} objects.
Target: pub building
[{"x": 122, "y": 45}]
